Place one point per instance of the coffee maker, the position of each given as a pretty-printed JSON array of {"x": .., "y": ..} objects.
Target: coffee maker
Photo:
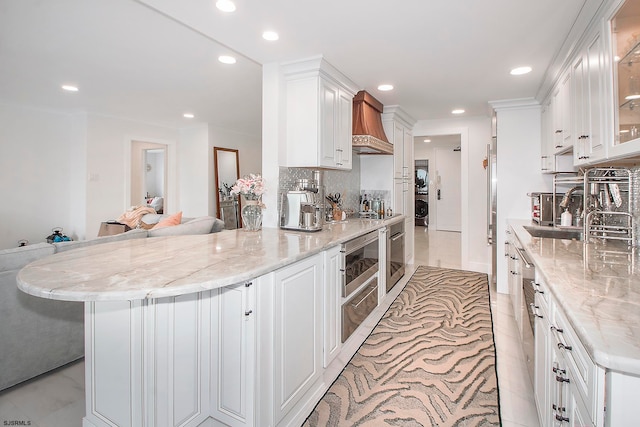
[{"x": 301, "y": 208}]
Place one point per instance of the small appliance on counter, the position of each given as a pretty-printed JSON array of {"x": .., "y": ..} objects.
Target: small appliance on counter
[
  {"x": 301, "y": 208},
  {"x": 542, "y": 209}
]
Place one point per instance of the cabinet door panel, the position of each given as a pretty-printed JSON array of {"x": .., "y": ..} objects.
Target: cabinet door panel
[
  {"x": 233, "y": 361},
  {"x": 298, "y": 331},
  {"x": 595, "y": 54},
  {"x": 328, "y": 123},
  {"x": 332, "y": 312},
  {"x": 344, "y": 132}
]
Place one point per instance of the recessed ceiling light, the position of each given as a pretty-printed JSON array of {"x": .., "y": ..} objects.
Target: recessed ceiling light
[
  {"x": 427, "y": 140},
  {"x": 520, "y": 71},
  {"x": 457, "y": 111},
  {"x": 385, "y": 87},
  {"x": 270, "y": 35},
  {"x": 226, "y": 5},
  {"x": 70, "y": 88},
  {"x": 188, "y": 116},
  {"x": 226, "y": 59}
]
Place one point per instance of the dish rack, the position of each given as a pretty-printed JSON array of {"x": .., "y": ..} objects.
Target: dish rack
[
  {"x": 607, "y": 208},
  {"x": 608, "y": 204}
]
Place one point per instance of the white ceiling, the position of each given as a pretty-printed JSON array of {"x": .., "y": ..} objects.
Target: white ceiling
[{"x": 153, "y": 60}]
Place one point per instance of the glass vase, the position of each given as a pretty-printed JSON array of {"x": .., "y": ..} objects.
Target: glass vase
[{"x": 252, "y": 215}]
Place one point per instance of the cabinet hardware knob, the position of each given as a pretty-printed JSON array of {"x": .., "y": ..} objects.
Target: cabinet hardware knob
[
  {"x": 562, "y": 379},
  {"x": 248, "y": 312},
  {"x": 246, "y": 285},
  {"x": 561, "y": 418},
  {"x": 558, "y": 146}
]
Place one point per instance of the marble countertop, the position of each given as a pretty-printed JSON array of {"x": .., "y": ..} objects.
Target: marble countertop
[
  {"x": 597, "y": 287},
  {"x": 159, "y": 267}
]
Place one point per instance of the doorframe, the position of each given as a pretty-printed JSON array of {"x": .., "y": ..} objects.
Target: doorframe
[
  {"x": 171, "y": 199},
  {"x": 463, "y": 131}
]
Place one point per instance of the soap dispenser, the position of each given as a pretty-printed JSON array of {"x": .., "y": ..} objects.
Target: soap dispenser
[{"x": 565, "y": 218}]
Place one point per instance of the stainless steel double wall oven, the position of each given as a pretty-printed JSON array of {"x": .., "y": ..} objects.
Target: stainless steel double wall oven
[{"x": 360, "y": 263}]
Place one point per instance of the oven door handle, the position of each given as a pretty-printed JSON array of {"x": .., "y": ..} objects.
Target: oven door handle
[
  {"x": 374, "y": 288},
  {"x": 397, "y": 236},
  {"x": 520, "y": 252}
]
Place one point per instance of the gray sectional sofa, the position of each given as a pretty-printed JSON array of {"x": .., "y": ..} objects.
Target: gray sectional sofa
[{"x": 37, "y": 334}]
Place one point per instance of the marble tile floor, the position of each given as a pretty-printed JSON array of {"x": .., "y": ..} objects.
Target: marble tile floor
[{"x": 56, "y": 399}]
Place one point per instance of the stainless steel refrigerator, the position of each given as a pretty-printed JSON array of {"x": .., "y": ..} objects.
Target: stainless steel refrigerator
[{"x": 492, "y": 155}]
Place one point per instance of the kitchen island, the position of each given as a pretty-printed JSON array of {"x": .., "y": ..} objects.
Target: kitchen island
[
  {"x": 228, "y": 328},
  {"x": 594, "y": 292}
]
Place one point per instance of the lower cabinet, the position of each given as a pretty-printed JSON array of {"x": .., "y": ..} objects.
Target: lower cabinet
[
  {"x": 543, "y": 359},
  {"x": 568, "y": 386},
  {"x": 298, "y": 332},
  {"x": 147, "y": 362},
  {"x": 233, "y": 350},
  {"x": 332, "y": 318}
]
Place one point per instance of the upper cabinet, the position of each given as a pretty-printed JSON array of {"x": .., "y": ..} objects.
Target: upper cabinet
[
  {"x": 561, "y": 115},
  {"x": 593, "y": 111},
  {"x": 319, "y": 115},
  {"x": 589, "y": 102},
  {"x": 625, "y": 43}
]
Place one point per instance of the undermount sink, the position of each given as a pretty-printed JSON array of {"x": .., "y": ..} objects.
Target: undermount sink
[{"x": 555, "y": 232}]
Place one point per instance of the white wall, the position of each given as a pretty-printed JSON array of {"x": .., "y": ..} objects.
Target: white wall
[
  {"x": 37, "y": 162},
  {"x": 194, "y": 163},
  {"x": 108, "y": 167},
  {"x": 475, "y": 134}
]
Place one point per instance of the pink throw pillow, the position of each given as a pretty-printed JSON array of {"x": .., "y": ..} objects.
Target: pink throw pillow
[{"x": 174, "y": 219}]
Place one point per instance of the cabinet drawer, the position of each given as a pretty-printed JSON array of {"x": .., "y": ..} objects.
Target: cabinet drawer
[
  {"x": 541, "y": 287},
  {"x": 358, "y": 308},
  {"x": 586, "y": 377}
]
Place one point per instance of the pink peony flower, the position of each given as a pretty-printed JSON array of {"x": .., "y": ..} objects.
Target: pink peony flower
[{"x": 251, "y": 187}]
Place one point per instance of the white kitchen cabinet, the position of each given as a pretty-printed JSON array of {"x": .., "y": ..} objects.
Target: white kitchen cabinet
[
  {"x": 127, "y": 341},
  {"x": 319, "y": 115},
  {"x": 547, "y": 156},
  {"x": 298, "y": 337},
  {"x": 398, "y": 126},
  {"x": 589, "y": 103},
  {"x": 624, "y": 82},
  {"x": 568, "y": 386},
  {"x": 332, "y": 300},
  {"x": 233, "y": 358},
  {"x": 542, "y": 358},
  {"x": 561, "y": 101},
  {"x": 515, "y": 270}
]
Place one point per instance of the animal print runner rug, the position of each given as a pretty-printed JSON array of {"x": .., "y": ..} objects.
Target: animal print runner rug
[{"x": 429, "y": 362}]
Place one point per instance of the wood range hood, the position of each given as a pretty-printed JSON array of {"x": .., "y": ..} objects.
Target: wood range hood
[{"x": 368, "y": 133}]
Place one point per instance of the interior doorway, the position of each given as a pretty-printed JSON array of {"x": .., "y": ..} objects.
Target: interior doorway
[
  {"x": 148, "y": 174},
  {"x": 440, "y": 242}
]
